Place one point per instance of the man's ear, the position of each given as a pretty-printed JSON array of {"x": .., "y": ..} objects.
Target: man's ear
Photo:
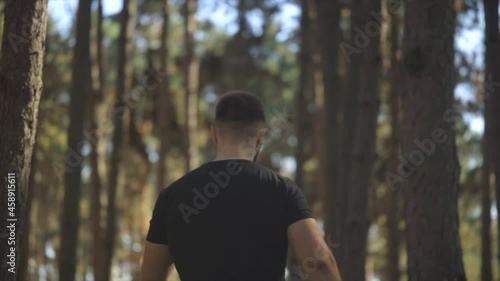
[
  {"x": 260, "y": 136},
  {"x": 214, "y": 134}
]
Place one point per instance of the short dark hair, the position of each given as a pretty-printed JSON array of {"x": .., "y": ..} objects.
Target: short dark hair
[{"x": 240, "y": 111}]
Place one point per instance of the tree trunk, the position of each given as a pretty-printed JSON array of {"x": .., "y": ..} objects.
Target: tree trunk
[
  {"x": 328, "y": 21},
  {"x": 123, "y": 87},
  {"x": 164, "y": 101},
  {"x": 486, "y": 271},
  {"x": 302, "y": 103},
  {"x": 363, "y": 148},
  {"x": 393, "y": 194},
  {"x": 431, "y": 174},
  {"x": 23, "y": 47},
  {"x": 492, "y": 92},
  {"x": 94, "y": 115},
  {"x": 80, "y": 88},
  {"x": 304, "y": 92},
  {"x": 350, "y": 110},
  {"x": 191, "y": 85}
]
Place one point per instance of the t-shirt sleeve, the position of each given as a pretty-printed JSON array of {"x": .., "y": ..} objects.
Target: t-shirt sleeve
[
  {"x": 296, "y": 204},
  {"x": 157, "y": 225}
]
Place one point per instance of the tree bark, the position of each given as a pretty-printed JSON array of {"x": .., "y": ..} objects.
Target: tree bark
[
  {"x": 393, "y": 194},
  {"x": 328, "y": 13},
  {"x": 191, "y": 85},
  {"x": 123, "y": 87},
  {"x": 164, "y": 102},
  {"x": 363, "y": 148},
  {"x": 431, "y": 177},
  {"x": 492, "y": 93},
  {"x": 80, "y": 88},
  {"x": 23, "y": 47},
  {"x": 95, "y": 99}
]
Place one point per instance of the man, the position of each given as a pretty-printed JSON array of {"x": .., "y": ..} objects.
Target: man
[{"x": 233, "y": 219}]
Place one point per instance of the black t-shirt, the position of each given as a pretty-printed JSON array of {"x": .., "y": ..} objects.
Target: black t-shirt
[{"x": 228, "y": 220}]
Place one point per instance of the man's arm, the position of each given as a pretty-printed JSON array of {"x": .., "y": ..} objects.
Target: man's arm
[
  {"x": 313, "y": 255},
  {"x": 156, "y": 262}
]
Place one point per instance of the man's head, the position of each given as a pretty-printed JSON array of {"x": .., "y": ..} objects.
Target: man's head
[{"x": 239, "y": 123}]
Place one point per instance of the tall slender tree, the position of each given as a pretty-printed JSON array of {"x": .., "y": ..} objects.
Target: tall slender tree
[
  {"x": 486, "y": 271},
  {"x": 328, "y": 13},
  {"x": 349, "y": 116},
  {"x": 363, "y": 147},
  {"x": 492, "y": 88},
  {"x": 23, "y": 48},
  {"x": 120, "y": 111},
  {"x": 95, "y": 99},
  {"x": 80, "y": 88},
  {"x": 302, "y": 101},
  {"x": 431, "y": 179},
  {"x": 191, "y": 69},
  {"x": 163, "y": 101},
  {"x": 304, "y": 92},
  {"x": 393, "y": 212}
]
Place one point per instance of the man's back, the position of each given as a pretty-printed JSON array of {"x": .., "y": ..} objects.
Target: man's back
[{"x": 228, "y": 220}]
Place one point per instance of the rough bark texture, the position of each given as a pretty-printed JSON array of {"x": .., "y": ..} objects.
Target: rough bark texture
[
  {"x": 393, "y": 196},
  {"x": 363, "y": 148},
  {"x": 23, "y": 47},
  {"x": 328, "y": 21},
  {"x": 123, "y": 87},
  {"x": 93, "y": 137},
  {"x": 492, "y": 92},
  {"x": 191, "y": 85},
  {"x": 80, "y": 88},
  {"x": 164, "y": 103},
  {"x": 431, "y": 183}
]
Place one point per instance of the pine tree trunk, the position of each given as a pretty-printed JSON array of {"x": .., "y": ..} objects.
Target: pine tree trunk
[
  {"x": 492, "y": 93},
  {"x": 164, "y": 101},
  {"x": 302, "y": 102},
  {"x": 94, "y": 114},
  {"x": 350, "y": 110},
  {"x": 393, "y": 211},
  {"x": 23, "y": 48},
  {"x": 304, "y": 92},
  {"x": 123, "y": 87},
  {"x": 328, "y": 13},
  {"x": 363, "y": 148},
  {"x": 74, "y": 160},
  {"x": 191, "y": 85},
  {"x": 431, "y": 177},
  {"x": 486, "y": 271}
]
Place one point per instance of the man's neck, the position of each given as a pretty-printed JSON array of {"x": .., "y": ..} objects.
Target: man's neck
[{"x": 233, "y": 154}]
